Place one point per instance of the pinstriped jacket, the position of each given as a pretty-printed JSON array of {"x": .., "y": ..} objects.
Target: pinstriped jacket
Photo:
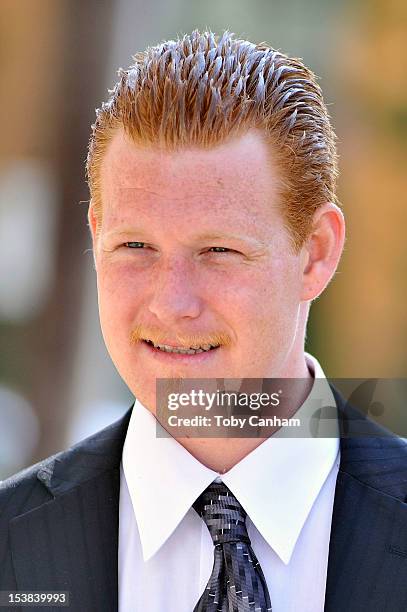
[{"x": 59, "y": 522}]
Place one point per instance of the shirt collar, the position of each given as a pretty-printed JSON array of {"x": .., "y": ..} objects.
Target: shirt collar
[{"x": 277, "y": 483}]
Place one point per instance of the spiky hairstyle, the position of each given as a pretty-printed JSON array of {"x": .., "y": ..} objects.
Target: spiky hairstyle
[{"x": 202, "y": 90}]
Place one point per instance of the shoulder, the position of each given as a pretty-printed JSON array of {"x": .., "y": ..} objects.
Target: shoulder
[
  {"x": 370, "y": 453},
  {"x": 44, "y": 480},
  {"x": 23, "y": 492}
]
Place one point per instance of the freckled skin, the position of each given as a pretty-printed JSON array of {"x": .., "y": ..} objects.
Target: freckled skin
[{"x": 258, "y": 292}]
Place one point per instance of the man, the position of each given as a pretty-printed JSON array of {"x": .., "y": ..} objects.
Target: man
[{"x": 215, "y": 224}]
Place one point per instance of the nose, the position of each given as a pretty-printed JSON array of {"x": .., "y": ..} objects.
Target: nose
[{"x": 175, "y": 296}]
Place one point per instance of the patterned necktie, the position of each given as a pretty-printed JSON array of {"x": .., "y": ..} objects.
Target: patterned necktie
[{"x": 237, "y": 582}]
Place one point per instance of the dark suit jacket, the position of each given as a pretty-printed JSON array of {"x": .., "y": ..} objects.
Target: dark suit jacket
[{"x": 59, "y": 522}]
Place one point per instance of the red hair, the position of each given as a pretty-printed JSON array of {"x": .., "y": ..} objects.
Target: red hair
[{"x": 204, "y": 89}]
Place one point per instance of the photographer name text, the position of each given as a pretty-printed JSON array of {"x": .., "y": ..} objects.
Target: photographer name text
[{"x": 232, "y": 421}]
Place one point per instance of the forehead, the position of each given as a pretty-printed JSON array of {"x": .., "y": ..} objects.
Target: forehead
[{"x": 235, "y": 178}]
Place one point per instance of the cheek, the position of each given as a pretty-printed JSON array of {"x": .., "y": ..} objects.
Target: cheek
[
  {"x": 273, "y": 290},
  {"x": 269, "y": 306},
  {"x": 119, "y": 294}
]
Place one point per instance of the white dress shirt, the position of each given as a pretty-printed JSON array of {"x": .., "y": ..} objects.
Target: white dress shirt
[{"x": 286, "y": 486}]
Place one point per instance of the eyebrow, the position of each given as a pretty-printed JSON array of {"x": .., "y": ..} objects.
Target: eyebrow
[
  {"x": 125, "y": 231},
  {"x": 220, "y": 236}
]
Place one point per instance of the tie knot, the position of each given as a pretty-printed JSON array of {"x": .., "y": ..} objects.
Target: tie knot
[{"x": 222, "y": 513}]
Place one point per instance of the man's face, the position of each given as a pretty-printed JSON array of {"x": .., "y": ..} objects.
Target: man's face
[{"x": 192, "y": 250}]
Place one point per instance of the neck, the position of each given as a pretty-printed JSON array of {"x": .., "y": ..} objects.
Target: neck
[{"x": 221, "y": 454}]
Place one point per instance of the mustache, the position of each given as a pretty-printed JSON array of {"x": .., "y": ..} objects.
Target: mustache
[{"x": 143, "y": 332}]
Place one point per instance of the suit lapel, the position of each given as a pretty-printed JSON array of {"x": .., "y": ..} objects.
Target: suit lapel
[
  {"x": 71, "y": 542},
  {"x": 367, "y": 564}
]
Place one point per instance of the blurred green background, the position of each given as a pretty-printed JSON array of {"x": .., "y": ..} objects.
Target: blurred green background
[{"x": 58, "y": 58}]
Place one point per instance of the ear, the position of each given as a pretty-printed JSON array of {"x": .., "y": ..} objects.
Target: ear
[
  {"x": 322, "y": 251},
  {"x": 93, "y": 227},
  {"x": 92, "y": 222}
]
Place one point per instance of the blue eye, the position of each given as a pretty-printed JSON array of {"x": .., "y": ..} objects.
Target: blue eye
[{"x": 134, "y": 245}]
